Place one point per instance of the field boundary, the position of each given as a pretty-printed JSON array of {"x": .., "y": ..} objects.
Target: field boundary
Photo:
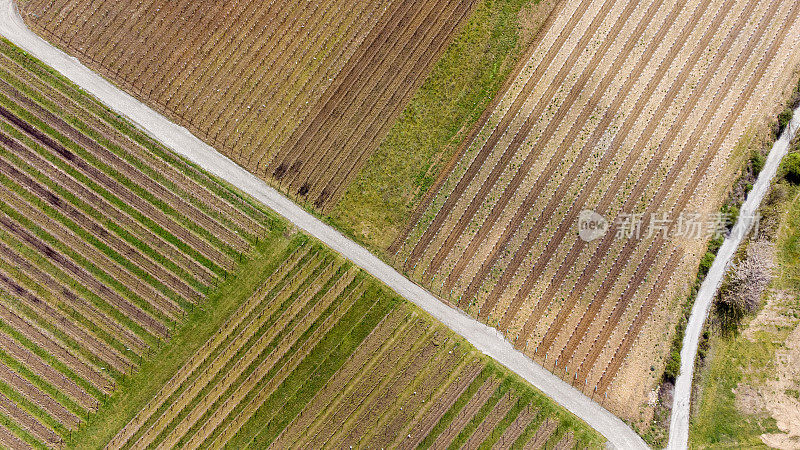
[{"x": 179, "y": 139}]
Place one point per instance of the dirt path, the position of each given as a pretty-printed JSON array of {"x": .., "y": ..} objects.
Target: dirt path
[
  {"x": 484, "y": 338},
  {"x": 679, "y": 423}
]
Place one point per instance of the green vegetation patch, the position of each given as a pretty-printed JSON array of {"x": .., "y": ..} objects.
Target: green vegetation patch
[{"x": 377, "y": 204}]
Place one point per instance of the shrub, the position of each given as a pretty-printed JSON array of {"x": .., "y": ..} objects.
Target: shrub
[
  {"x": 783, "y": 119},
  {"x": 742, "y": 291},
  {"x": 791, "y": 168},
  {"x": 757, "y": 161},
  {"x": 673, "y": 365}
]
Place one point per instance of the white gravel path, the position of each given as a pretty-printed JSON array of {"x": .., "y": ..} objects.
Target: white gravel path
[
  {"x": 679, "y": 422},
  {"x": 180, "y": 140}
]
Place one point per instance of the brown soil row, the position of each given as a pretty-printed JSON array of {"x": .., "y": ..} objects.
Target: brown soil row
[
  {"x": 120, "y": 191},
  {"x": 65, "y": 325},
  {"x": 612, "y": 192},
  {"x": 194, "y": 363},
  {"x": 64, "y": 293},
  {"x": 90, "y": 225},
  {"x": 516, "y": 428},
  {"x": 684, "y": 157},
  {"x": 335, "y": 96},
  {"x": 632, "y": 333},
  {"x": 268, "y": 389},
  {"x": 513, "y": 226},
  {"x": 489, "y": 423},
  {"x": 28, "y": 422},
  {"x": 642, "y": 183},
  {"x": 51, "y": 345},
  {"x": 125, "y": 169},
  {"x": 486, "y": 149},
  {"x": 589, "y": 316},
  {"x": 374, "y": 345},
  {"x": 467, "y": 413},
  {"x": 38, "y": 398},
  {"x": 569, "y": 220},
  {"x": 73, "y": 242},
  {"x": 69, "y": 238},
  {"x": 310, "y": 87},
  {"x": 36, "y": 365},
  {"x": 382, "y": 114},
  {"x": 95, "y": 201},
  {"x": 451, "y": 394},
  {"x": 9, "y": 440},
  {"x": 743, "y": 99},
  {"x": 523, "y": 135},
  {"x": 87, "y": 279},
  {"x": 284, "y": 54},
  {"x": 366, "y": 78}
]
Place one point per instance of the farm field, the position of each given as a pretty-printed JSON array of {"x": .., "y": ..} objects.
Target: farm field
[
  {"x": 321, "y": 355},
  {"x": 239, "y": 76},
  {"x": 631, "y": 110},
  {"x": 145, "y": 303},
  {"x": 107, "y": 241}
]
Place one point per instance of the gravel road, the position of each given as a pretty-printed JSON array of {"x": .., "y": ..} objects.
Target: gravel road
[
  {"x": 180, "y": 140},
  {"x": 679, "y": 422}
]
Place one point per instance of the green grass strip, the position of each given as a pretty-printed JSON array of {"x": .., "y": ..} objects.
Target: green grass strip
[
  {"x": 462, "y": 83},
  {"x": 315, "y": 370},
  {"x": 456, "y": 408},
  {"x": 479, "y": 416},
  {"x": 42, "y": 385},
  {"x": 21, "y": 433},
  {"x": 54, "y": 80},
  {"x": 136, "y": 390}
]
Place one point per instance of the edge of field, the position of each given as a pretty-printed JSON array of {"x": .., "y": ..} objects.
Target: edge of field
[
  {"x": 748, "y": 356},
  {"x": 378, "y": 203},
  {"x": 136, "y": 389}
]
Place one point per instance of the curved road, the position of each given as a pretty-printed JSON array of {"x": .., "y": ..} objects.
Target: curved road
[
  {"x": 679, "y": 422},
  {"x": 177, "y": 138}
]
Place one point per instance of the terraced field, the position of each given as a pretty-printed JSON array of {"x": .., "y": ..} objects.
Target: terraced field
[
  {"x": 623, "y": 108},
  {"x": 239, "y": 76},
  {"x": 107, "y": 242},
  {"x": 319, "y": 356}
]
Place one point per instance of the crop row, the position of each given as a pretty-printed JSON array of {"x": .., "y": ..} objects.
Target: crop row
[
  {"x": 337, "y": 95},
  {"x": 499, "y": 234},
  {"x": 106, "y": 241}
]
